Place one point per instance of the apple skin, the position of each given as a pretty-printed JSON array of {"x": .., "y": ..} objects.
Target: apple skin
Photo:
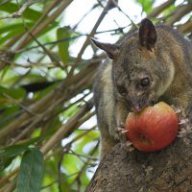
[{"x": 152, "y": 129}]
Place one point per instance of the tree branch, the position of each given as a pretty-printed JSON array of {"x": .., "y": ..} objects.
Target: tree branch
[{"x": 168, "y": 170}]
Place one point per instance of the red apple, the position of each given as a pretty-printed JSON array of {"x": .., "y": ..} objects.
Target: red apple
[{"x": 152, "y": 129}]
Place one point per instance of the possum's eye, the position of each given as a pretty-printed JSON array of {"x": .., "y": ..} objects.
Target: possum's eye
[{"x": 145, "y": 82}]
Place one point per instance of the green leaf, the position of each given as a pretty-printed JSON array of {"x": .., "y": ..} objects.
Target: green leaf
[
  {"x": 31, "y": 172},
  {"x": 51, "y": 127},
  {"x": 9, "y": 31},
  {"x": 13, "y": 27},
  {"x": 8, "y": 95},
  {"x": 8, "y": 113},
  {"x": 63, "y": 46},
  {"x": 146, "y": 5},
  {"x": 70, "y": 111},
  {"x": 71, "y": 164},
  {"x": 5, "y": 162},
  {"x": 28, "y": 13},
  {"x": 85, "y": 179},
  {"x": 12, "y": 150},
  {"x": 64, "y": 186},
  {"x": 87, "y": 139},
  {"x": 15, "y": 150},
  {"x": 7, "y": 154},
  {"x": 6, "y": 37}
]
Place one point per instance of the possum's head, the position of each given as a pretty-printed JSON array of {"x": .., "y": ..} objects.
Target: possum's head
[{"x": 142, "y": 71}]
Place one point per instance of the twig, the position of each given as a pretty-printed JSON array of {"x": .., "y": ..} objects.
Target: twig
[
  {"x": 6, "y": 178},
  {"x": 119, "y": 8},
  {"x": 69, "y": 39},
  {"x": 88, "y": 161},
  {"x": 42, "y": 23},
  {"x": 12, "y": 100},
  {"x": 10, "y": 187},
  {"x": 179, "y": 13},
  {"x": 157, "y": 10},
  {"x": 186, "y": 27},
  {"x": 83, "y": 17},
  {"x": 51, "y": 56},
  {"x": 87, "y": 41},
  {"x": 68, "y": 145},
  {"x": 66, "y": 128},
  {"x": 21, "y": 10},
  {"x": 50, "y": 43},
  {"x": 65, "y": 90},
  {"x": 4, "y": 2}
]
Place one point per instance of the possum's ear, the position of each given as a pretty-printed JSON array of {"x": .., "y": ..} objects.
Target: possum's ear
[
  {"x": 147, "y": 34},
  {"x": 112, "y": 50}
]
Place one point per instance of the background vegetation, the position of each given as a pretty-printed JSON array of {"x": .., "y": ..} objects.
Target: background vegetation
[{"x": 46, "y": 93}]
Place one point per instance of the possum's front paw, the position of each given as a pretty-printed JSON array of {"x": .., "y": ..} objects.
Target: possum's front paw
[
  {"x": 122, "y": 132},
  {"x": 121, "y": 129},
  {"x": 185, "y": 125},
  {"x": 114, "y": 133}
]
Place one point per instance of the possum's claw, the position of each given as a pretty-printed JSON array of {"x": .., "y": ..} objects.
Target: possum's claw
[
  {"x": 128, "y": 146},
  {"x": 183, "y": 121},
  {"x": 121, "y": 129}
]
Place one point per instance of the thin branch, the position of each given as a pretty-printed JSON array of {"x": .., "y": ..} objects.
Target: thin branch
[
  {"x": 66, "y": 128},
  {"x": 70, "y": 39},
  {"x": 21, "y": 10},
  {"x": 8, "y": 177},
  {"x": 10, "y": 187},
  {"x": 43, "y": 23},
  {"x": 157, "y": 10},
  {"x": 48, "y": 53},
  {"x": 14, "y": 101},
  {"x": 186, "y": 27},
  {"x": 119, "y": 8},
  {"x": 92, "y": 152},
  {"x": 179, "y": 13},
  {"x": 87, "y": 41},
  {"x": 65, "y": 90},
  {"x": 4, "y": 2}
]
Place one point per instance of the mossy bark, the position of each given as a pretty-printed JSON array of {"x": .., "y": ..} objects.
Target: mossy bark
[{"x": 169, "y": 170}]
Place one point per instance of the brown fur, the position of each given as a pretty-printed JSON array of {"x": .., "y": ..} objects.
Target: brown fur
[{"x": 159, "y": 54}]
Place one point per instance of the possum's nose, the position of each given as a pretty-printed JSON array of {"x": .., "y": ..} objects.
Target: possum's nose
[
  {"x": 137, "y": 108},
  {"x": 138, "y": 104}
]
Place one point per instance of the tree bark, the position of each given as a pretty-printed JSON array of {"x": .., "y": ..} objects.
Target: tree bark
[{"x": 169, "y": 170}]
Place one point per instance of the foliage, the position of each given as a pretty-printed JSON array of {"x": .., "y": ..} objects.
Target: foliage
[
  {"x": 46, "y": 92},
  {"x": 31, "y": 171}
]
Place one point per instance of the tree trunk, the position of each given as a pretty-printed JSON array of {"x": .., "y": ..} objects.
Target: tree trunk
[{"x": 169, "y": 170}]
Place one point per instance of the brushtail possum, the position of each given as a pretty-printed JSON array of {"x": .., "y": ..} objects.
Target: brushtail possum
[{"x": 150, "y": 65}]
